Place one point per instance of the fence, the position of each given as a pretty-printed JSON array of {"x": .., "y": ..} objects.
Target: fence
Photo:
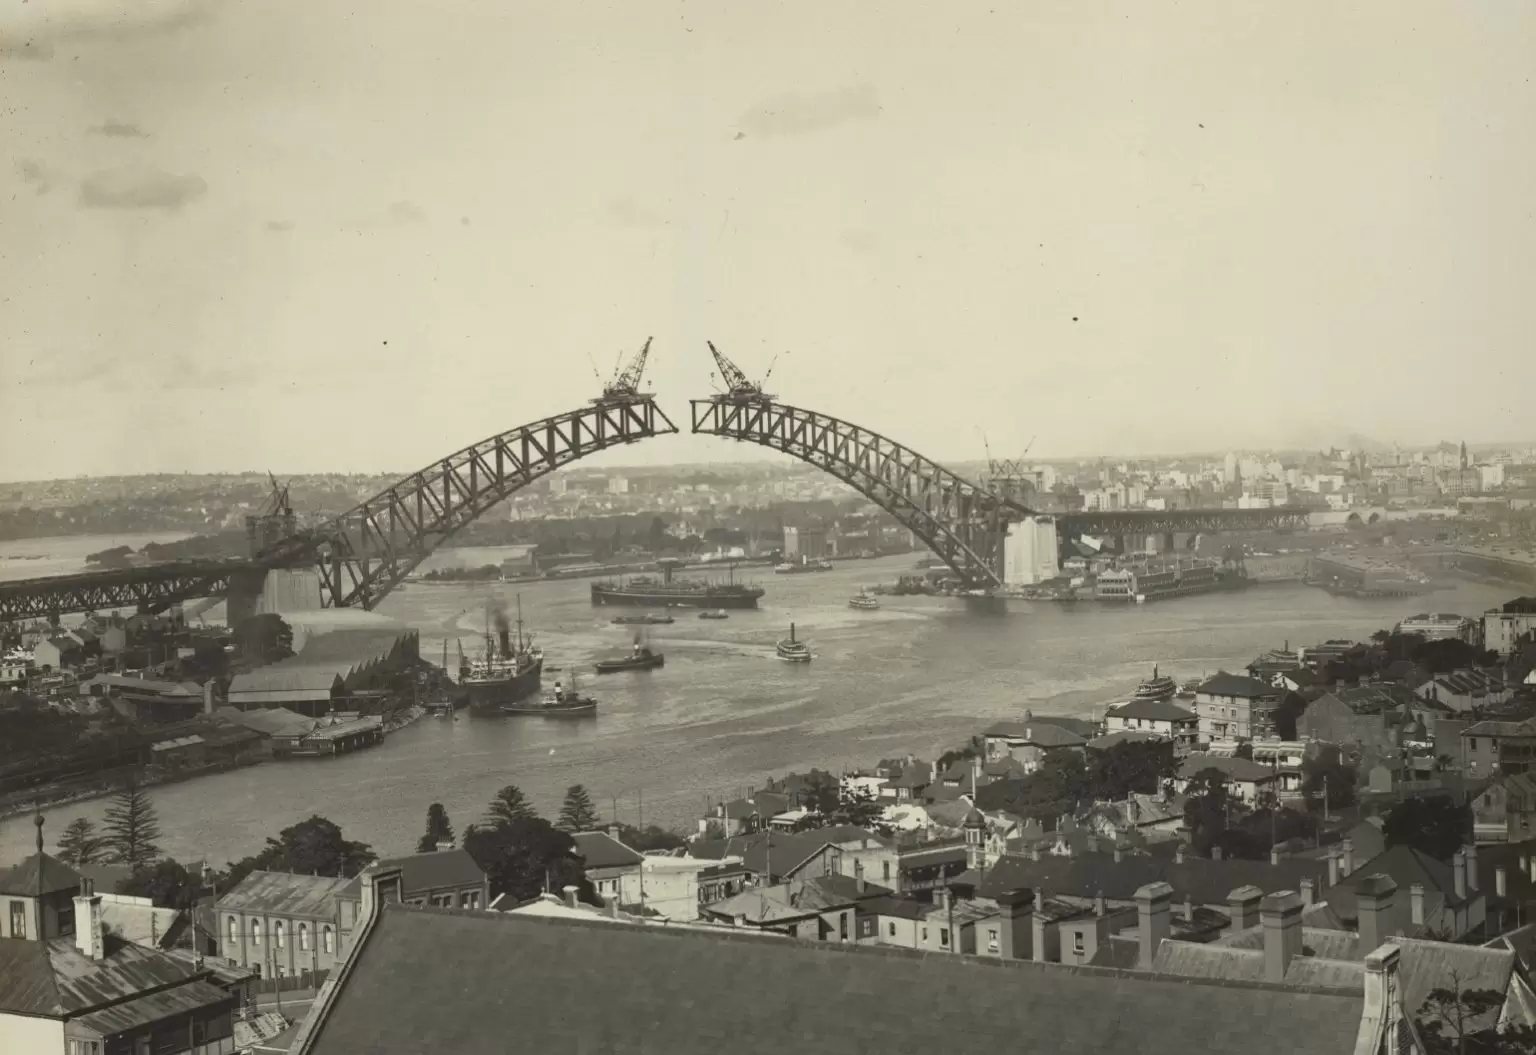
[{"x": 292, "y": 982}]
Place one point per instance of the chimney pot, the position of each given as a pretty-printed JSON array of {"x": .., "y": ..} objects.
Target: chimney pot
[
  {"x": 613, "y": 832},
  {"x": 1459, "y": 873},
  {"x": 1347, "y": 863},
  {"x": 90, "y": 939},
  {"x": 1274, "y": 855},
  {"x": 1178, "y": 854},
  {"x": 1099, "y": 908},
  {"x": 1471, "y": 854},
  {"x": 1308, "y": 892},
  {"x": 1243, "y": 908},
  {"x": 1416, "y": 902}
]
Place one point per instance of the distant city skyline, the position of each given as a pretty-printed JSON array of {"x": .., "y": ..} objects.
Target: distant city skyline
[{"x": 286, "y": 235}]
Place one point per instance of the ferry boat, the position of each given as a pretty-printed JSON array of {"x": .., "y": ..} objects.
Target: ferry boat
[
  {"x": 643, "y": 620},
  {"x": 647, "y": 591},
  {"x": 792, "y": 650},
  {"x": 800, "y": 567},
  {"x": 1156, "y": 688},
  {"x": 502, "y": 675},
  {"x": 864, "y": 601},
  {"x": 642, "y": 658},
  {"x": 714, "y": 613},
  {"x": 559, "y": 703}
]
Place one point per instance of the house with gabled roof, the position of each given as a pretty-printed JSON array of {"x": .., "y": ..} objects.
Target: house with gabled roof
[
  {"x": 1162, "y": 717},
  {"x": 1236, "y": 707},
  {"x": 613, "y": 869},
  {"x": 825, "y": 908},
  {"x": 1505, "y": 811},
  {"x": 1032, "y": 739},
  {"x": 550, "y": 984},
  {"x": 283, "y": 925}
]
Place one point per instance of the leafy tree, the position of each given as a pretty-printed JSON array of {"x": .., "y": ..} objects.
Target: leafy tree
[
  {"x": 972, "y": 749},
  {"x": 508, "y": 805},
  {"x": 859, "y": 807},
  {"x": 166, "y": 882},
  {"x": 439, "y": 830},
  {"x": 651, "y": 837},
  {"x": 1131, "y": 766},
  {"x": 527, "y": 855},
  {"x": 1435, "y": 825},
  {"x": 132, "y": 828},
  {"x": 1287, "y": 714},
  {"x": 1244, "y": 750},
  {"x": 80, "y": 845},
  {"x": 577, "y": 814},
  {"x": 1457, "y": 1021},
  {"x": 312, "y": 847},
  {"x": 1205, "y": 809},
  {"x": 1327, "y": 770}
]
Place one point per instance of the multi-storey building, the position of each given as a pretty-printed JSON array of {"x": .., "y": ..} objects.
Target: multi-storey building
[
  {"x": 281, "y": 925},
  {"x": 1234, "y": 707}
]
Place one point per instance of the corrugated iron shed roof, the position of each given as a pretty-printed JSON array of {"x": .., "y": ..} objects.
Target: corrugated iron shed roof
[
  {"x": 284, "y": 894},
  {"x": 38, "y": 875}
]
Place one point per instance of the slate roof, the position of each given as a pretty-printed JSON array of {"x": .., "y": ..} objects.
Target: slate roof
[
  {"x": 1123, "y": 736},
  {"x": 796, "y": 899},
  {"x": 899, "y": 907},
  {"x": 1224, "y": 684},
  {"x": 38, "y": 875},
  {"x": 1080, "y": 728},
  {"x": 784, "y": 852},
  {"x": 283, "y": 894},
  {"x": 1240, "y": 769},
  {"x": 1405, "y": 866},
  {"x": 1154, "y": 711},
  {"x": 550, "y": 984},
  {"x": 601, "y": 850},
  {"x": 437, "y": 870}
]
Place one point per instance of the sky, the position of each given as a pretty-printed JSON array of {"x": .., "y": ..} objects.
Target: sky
[{"x": 307, "y": 236}]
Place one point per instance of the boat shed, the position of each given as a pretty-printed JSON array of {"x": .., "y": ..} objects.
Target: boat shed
[{"x": 328, "y": 667}]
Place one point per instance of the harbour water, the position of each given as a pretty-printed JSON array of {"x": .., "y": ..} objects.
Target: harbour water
[{"x": 918, "y": 675}]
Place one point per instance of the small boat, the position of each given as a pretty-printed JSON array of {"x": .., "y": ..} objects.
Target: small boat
[
  {"x": 643, "y": 620},
  {"x": 714, "y": 613},
  {"x": 794, "y": 651},
  {"x": 556, "y": 704},
  {"x": 1156, "y": 688},
  {"x": 642, "y": 658},
  {"x": 864, "y": 601}
]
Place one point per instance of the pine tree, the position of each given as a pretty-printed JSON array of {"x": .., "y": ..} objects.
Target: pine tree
[
  {"x": 80, "y": 845},
  {"x": 132, "y": 828},
  {"x": 577, "y": 814},
  {"x": 439, "y": 830},
  {"x": 508, "y": 806}
]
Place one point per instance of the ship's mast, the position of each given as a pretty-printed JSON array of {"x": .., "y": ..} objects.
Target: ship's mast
[{"x": 520, "y": 646}]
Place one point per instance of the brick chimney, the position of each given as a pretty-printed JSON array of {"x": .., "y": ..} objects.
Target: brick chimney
[
  {"x": 858, "y": 877},
  {"x": 1333, "y": 869},
  {"x": 1274, "y": 856},
  {"x": 1040, "y": 942},
  {"x": 570, "y": 893},
  {"x": 1243, "y": 907},
  {"x": 1017, "y": 931},
  {"x": 1347, "y": 864},
  {"x": 1178, "y": 854},
  {"x": 613, "y": 832},
  {"x": 946, "y": 899},
  {"x": 1215, "y": 853},
  {"x": 1308, "y": 892},
  {"x": 1373, "y": 899},
  {"x": 1416, "y": 902},
  {"x": 90, "y": 937},
  {"x": 1280, "y": 915},
  {"x": 1459, "y": 873},
  {"x": 1152, "y": 915},
  {"x": 1500, "y": 882},
  {"x": 1383, "y": 1012},
  {"x": 1471, "y": 854}
]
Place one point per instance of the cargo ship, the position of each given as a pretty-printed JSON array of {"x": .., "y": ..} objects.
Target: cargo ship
[
  {"x": 503, "y": 674},
  {"x": 669, "y": 592}
]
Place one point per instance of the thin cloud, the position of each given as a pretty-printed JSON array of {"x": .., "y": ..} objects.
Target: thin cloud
[
  {"x": 793, "y": 115},
  {"x": 119, "y": 130},
  {"x": 140, "y": 188}
]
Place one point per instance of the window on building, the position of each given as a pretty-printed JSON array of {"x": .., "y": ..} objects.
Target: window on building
[
  {"x": 143, "y": 1045},
  {"x": 885, "y": 870},
  {"x": 18, "y": 919},
  {"x": 84, "y": 1047},
  {"x": 234, "y": 931},
  {"x": 842, "y": 927},
  {"x": 1078, "y": 944},
  {"x": 944, "y": 937},
  {"x": 992, "y": 943},
  {"x": 278, "y": 933},
  {"x": 256, "y": 932},
  {"x": 925, "y": 935},
  {"x": 327, "y": 939},
  {"x": 890, "y": 929},
  {"x": 470, "y": 899},
  {"x": 1471, "y": 743},
  {"x": 304, "y": 937}
]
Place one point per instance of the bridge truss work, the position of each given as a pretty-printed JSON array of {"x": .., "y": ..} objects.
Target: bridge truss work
[
  {"x": 367, "y": 551},
  {"x": 148, "y": 589},
  {"x": 961, "y": 522}
]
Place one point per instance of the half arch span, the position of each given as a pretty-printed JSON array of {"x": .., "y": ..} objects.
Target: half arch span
[
  {"x": 365, "y": 552},
  {"x": 962, "y": 522}
]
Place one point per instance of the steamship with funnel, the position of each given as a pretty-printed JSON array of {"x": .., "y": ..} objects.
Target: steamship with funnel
[
  {"x": 669, "y": 592},
  {"x": 505, "y": 673}
]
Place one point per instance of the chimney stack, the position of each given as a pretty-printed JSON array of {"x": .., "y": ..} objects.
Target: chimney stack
[
  {"x": 1471, "y": 854},
  {"x": 613, "y": 908},
  {"x": 1039, "y": 938},
  {"x": 1459, "y": 873},
  {"x": 1099, "y": 908},
  {"x": 946, "y": 899},
  {"x": 613, "y": 832},
  {"x": 1416, "y": 902},
  {"x": 1243, "y": 907},
  {"x": 570, "y": 893},
  {"x": 1274, "y": 855},
  {"x": 1383, "y": 1000},
  {"x": 1215, "y": 853},
  {"x": 1152, "y": 915},
  {"x": 1308, "y": 892},
  {"x": 1281, "y": 917},
  {"x": 90, "y": 938},
  {"x": 1373, "y": 898},
  {"x": 1500, "y": 882},
  {"x": 1178, "y": 854},
  {"x": 1347, "y": 865},
  {"x": 858, "y": 877},
  {"x": 1017, "y": 938},
  {"x": 1333, "y": 869}
]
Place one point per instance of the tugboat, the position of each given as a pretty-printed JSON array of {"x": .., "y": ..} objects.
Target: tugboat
[
  {"x": 1156, "y": 688},
  {"x": 794, "y": 651},
  {"x": 502, "y": 675},
  {"x": 642, "y": 658},
  {"x": 557, "y": 704},
  {"x": 714, "y": 613},
  {"x": 864, "y": 601},
  {"x": 643, "y": 620}
]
